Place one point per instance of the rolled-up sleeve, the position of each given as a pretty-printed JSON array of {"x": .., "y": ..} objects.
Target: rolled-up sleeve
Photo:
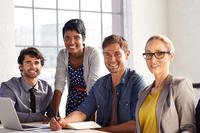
[{"x": 89, "y": 105}]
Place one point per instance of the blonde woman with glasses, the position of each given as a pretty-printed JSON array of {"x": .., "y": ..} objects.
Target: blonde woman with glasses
[{"x": 168, "y": 104}]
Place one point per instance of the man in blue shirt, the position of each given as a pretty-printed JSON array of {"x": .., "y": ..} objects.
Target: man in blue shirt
[
  {"x": 113, "y": 96},
  {"x": 31, "y": 96}
]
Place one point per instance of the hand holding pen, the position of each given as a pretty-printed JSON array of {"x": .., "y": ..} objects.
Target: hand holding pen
[
  {"x": 54, "y": 115},
  {"x": 54, "y": 122}
]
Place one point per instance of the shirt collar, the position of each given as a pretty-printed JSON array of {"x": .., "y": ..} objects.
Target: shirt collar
[
  {"x": 27, "y": 86},
  {"x": 124, "y": 77}
]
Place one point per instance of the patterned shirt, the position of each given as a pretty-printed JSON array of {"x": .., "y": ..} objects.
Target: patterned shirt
[{"x": 77, "y": 89}]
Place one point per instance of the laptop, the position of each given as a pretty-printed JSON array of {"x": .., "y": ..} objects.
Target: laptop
[{"x": 9, "y": 118}]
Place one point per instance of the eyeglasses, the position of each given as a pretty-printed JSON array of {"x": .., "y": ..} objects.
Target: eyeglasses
[{"x": 158, "y": 55}]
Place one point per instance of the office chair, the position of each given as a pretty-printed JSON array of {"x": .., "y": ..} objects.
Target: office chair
[{"x": 197, "y": 86}]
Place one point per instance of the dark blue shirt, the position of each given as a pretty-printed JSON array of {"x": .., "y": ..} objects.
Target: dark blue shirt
[{"x": 100, "y": 98}]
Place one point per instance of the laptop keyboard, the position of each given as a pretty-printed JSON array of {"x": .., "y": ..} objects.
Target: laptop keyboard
[{"x": 28, "y": 126}]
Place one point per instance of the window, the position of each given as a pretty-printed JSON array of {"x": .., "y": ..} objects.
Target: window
[{"x": 39, "y": 23}]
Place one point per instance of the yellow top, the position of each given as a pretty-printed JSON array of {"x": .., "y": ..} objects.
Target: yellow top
[{"x": 147, "y": 114}]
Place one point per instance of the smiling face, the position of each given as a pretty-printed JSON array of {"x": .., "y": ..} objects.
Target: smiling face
[
  {"x": 73, "y": 42},
  {"x": 114, "y": 58},
  {"x": 158, "y": 66},
  {"x": 30, "y": 67}
]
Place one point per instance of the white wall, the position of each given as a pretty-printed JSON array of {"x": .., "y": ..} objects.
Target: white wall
[
  {"x": 8, "y": 67},
  {"x": 184, "y": 30},
  {"x": 177, "y": 19},
  {"x": 147, "y": 18}
]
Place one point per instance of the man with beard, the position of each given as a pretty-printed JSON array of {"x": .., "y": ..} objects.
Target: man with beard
[
  {"x": 113, "y": 96},
  {"x": 30, "y": 95}
]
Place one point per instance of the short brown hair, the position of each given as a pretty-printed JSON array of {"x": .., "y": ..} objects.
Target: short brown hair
[
  {"x": 115, "y": 39},
  {"x": 33, "y": 52}
]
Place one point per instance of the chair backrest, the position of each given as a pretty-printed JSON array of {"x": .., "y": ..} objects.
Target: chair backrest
[{"x": 196, "y": 85}]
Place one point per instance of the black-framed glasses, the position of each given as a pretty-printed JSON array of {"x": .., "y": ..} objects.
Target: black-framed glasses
[{"x": 158, "y": 55}]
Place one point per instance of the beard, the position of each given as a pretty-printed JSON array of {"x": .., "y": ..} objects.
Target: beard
[
  {"x": 31, "y": 74},
  {"x": 114, "y": 69}
]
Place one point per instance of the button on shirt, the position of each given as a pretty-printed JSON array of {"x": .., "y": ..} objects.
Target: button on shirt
[
  {"x": 100, "y": 98},
  {"x": 18, "y": 91}
]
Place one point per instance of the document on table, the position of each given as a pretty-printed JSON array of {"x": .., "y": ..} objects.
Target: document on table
[{"x": 83, "y": 125}]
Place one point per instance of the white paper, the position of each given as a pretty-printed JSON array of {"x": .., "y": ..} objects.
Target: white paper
[{"x": 84, "y": 125}]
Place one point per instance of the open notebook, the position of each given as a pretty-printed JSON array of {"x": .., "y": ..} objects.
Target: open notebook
[{"x": 10, "y": 120}]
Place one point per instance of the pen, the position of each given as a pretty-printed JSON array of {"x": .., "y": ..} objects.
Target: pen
[{"x": 54, "y": 114}]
